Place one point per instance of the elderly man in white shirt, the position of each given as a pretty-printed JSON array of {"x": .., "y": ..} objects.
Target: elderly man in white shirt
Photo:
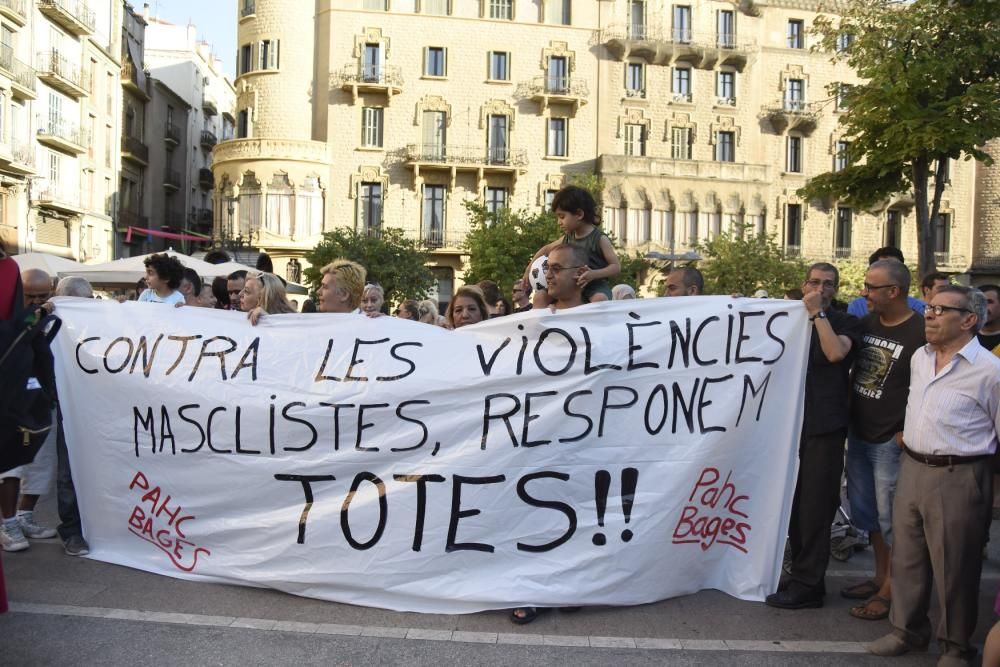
[{"x": 944, "y": 493}]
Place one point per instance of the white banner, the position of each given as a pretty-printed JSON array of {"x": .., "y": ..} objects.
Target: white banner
[{"x": 616, "y": 453}]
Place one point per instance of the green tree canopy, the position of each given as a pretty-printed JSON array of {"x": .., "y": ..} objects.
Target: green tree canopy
[
  {"x": 742, "y": 262},
  {"x": 392, "y": 260},
  {"x": 930, "y": 87},
  {"x": 501, "y": 244}
]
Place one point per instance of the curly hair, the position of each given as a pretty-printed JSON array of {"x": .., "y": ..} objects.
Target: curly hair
[{"x": 168, "y": 268}]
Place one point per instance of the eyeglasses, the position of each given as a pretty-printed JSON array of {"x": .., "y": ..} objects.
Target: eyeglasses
[
  {"x": 816, "y": 282},
  {"x": 939, "y": 310},
  {"x": 554, "y": 268},
  {"x": 871, "y": 288}
]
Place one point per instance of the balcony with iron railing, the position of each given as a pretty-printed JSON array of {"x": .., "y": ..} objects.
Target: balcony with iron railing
[
  {"x": 132, "y": 218},
  {"x": 665, "y": 167},
  {"x": 205, "y": 180},
  {"x": 548, "y": 90},
  {"x": 842, "y": 252},
  {"x": 14, "y": 11},
  {"x": 72, "y": 15},
  {"x": 209, "y": 105},
  {"x": 171, "y": 135},
  {"x": 57, "y": 197},
  {"x": 60, "y": 134},
  {"x": 793, "y": 251},
  {"x": 248, "y": 9},
  {"x": 468, "y": 158},
  {"x": 660, "y": 45},
  {"x": 21, "y": 75},
  {"x": 208, "y": 139},
  {"x": 132, "y": 82},
  {"x": 792, "y": 114},
  {"x": 62, "y": 74},
  {"x": 134, "y": 150},
  {"x": 367, "y": 78},
  {"x": 172, "y": 179}
]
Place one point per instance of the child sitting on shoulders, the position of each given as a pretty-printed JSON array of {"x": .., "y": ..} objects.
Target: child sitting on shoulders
[{"x": 575, "y": 211}]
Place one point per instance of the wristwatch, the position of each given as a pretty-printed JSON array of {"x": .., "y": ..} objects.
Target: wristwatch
[{"x": 821, "y": 315}]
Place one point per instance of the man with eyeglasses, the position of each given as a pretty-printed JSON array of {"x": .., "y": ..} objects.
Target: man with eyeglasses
[
  {"x": 566, "y": 264},
  {"x": 891, "y": 333},
  {"x": 944, "y": 492},
  {"x": 834, "y": 340},
  {"x": 860, "y": 307},
  {"x": 235, "y": 282}
]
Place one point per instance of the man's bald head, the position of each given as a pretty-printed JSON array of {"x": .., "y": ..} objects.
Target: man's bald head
[{"x": 37, "y": 287}]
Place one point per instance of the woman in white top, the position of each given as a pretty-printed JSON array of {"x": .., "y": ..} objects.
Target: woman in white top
[{"x": 163, "y": 277}]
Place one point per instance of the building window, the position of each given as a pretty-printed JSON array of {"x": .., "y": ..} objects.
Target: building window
[
  {"x": 793, "y": 155},
  {"x": 309, "y": 208},
  {"x": 681, "y": 86},
  {"x": 793, "y": 230},
  {"x": 893, "y": 229},
  {"x": 435, "y": 132},
  {"x": 377, "y": 5},
  {"x": 556, "y": 146},
  {"x": 550, "y": 196},
  {"x": 278, "y": 217},
  {"x": 498, "y": 139},
  {"x": 842, "y": 234},
  {"x": 371, "y": 63},
  {"x": 682, "y": 24},
  {"x": 557, "y": 75},
  {"x": 843, "y": 95},
  {"x": 796, "y": 34},
  {"x": 726, "y": 29},
  {"x": 680, "y": 143},
  {"x": 635, "y": 139},
  {"x": 432, "y": 224},
  {"x": 502, "y": 9},
  {"x": 498, "y": 70},
  {"x": 246, "y": 58},
  {"x": 496, "y": 199},
  {"x": 557, "y": 12},
  {"x": 726, "y": 88},
  {"x": 108, "y": 143},
  {"x": 268, "y": 52},
  {"x": 435, "y": 7},
  {"x": 941, "y": 226},
  {"x": 844, "y": 41},
  {"x": 435, "y": 63},
  {"x": 795, "y": 94},
  {"x": 371, "y": 127},
  {"x": 243, "y": 124},
  {"x": 637, "y": 19},
  {"x": 725, "y": 147},
  {"x": 369, "y": 207},
  {"x": 635, "y": 80},
  {"x": 840, "y": 159}
]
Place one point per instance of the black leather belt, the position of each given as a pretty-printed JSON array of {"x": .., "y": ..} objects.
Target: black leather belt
[{"x": 943, "y": 460}]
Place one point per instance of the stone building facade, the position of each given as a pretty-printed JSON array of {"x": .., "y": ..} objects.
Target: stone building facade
[{"x": 698, "y": 116}]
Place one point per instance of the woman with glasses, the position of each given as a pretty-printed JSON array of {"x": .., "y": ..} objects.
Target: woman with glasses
[
  {"x": 408, "y": 310},
  {"x": 263, "y": 294}
]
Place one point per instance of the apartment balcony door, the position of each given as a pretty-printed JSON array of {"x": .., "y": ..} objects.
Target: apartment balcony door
[
  {"x": 373, "y": 63},
  {"x": 434, "y": 134},
  {"x": 498, "y": 140},
  {"x": 558, "y": 75}
]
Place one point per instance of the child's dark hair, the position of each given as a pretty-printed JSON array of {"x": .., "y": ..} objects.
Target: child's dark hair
[
  {"x": 573, "y": 198},
  {"x": 167, "y": 268}
]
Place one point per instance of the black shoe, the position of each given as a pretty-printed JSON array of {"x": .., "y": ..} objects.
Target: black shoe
[{"x": 796, "y": 596}]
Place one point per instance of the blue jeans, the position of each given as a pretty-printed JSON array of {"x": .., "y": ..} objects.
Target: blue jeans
[
  {"x": 69, "y": 512},
  {"x": 872, "y": 469}
]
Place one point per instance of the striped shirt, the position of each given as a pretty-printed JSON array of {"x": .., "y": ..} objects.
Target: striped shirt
[{"x": 957, "y": 410}]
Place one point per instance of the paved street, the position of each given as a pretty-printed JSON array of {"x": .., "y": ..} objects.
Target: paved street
[{"x": 76, "y": 611}]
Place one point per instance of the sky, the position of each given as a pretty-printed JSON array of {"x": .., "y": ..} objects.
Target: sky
[{"x": 216, "y": 21}]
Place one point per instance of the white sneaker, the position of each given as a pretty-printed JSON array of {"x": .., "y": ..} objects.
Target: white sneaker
[
  {"x": 11, "y": 537},
  {"x": 32, "y": 529}
]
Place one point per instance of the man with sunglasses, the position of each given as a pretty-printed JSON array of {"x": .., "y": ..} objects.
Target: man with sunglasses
[
  {"x": 835, "y": 338},
  {"x": 891, "y": 333},
  {"x": 944, "y": 492}
]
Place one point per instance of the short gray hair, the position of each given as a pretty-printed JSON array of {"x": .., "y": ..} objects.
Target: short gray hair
[
  {"x": 898, "y": 273},
  {"x": 75, "y": 286},
  {"x": 975, "y": 301}
]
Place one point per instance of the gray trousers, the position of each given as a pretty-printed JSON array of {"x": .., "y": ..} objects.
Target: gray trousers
[{"x": 940, "y": 521}]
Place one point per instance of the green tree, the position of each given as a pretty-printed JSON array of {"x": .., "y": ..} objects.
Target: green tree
[
  {"x": 501, "y": 244},
  {"x": 392, "y": 260},
  {"x": 742, "y": 262},
  {"x": 931, "y": 81}
]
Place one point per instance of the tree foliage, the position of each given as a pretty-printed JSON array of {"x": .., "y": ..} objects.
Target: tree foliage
[
  {"x": 742, "y": 262},
  {"x": 930, "y": 74},
  {"x": 392, "y": 260},
  {"x": 501, "y": 244}
]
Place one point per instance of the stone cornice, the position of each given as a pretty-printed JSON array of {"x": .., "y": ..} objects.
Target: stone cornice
[{"x": 270, "y": 149}]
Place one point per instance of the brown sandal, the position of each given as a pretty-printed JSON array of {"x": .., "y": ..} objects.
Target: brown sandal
[{"x": 865, "y": 612}]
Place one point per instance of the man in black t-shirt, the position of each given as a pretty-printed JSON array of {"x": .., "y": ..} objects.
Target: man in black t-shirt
[
  {"x": 989, "y": 335},
  {"x": 891, "y": 333},
  {"x": 835, "y": 338}
]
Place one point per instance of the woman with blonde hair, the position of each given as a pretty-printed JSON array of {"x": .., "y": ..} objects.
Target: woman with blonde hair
[
  {"x": 372, "y": 299},
  {"x": 429, "y": 313},
  {"x": 264, "y": 294}
]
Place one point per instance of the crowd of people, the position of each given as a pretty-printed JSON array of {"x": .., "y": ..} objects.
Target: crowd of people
[{"x": 905, "y": 390}]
